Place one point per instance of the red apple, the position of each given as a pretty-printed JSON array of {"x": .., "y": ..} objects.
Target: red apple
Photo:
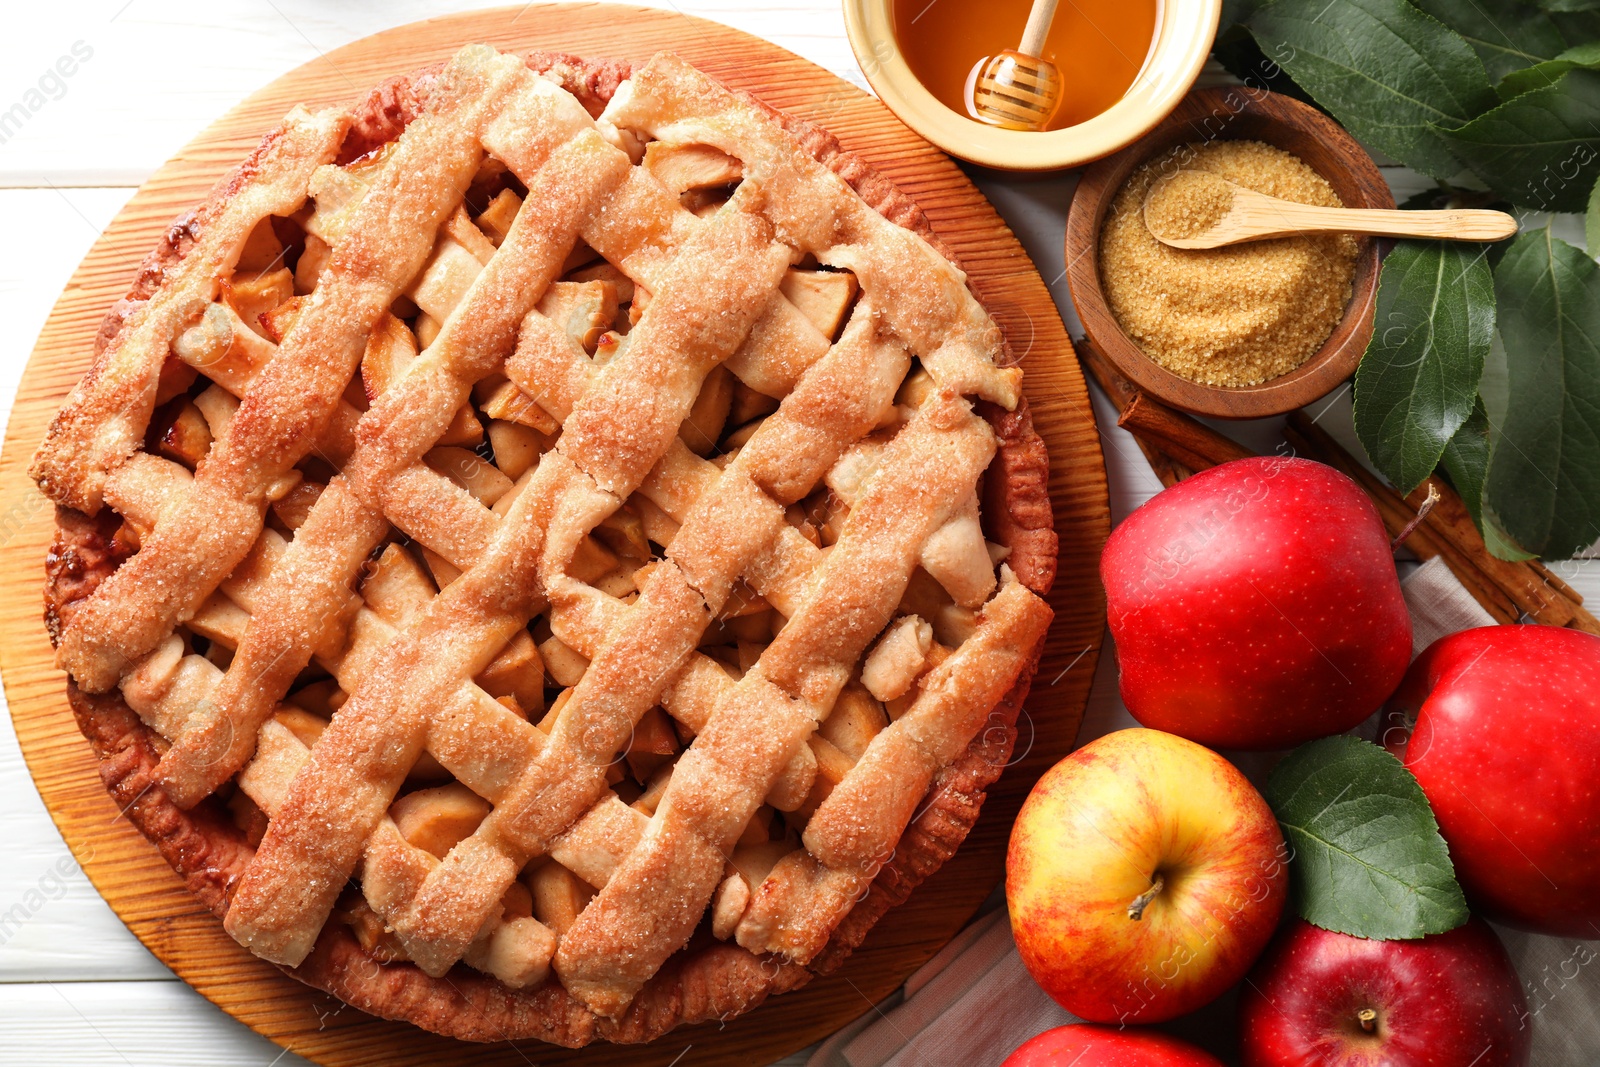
[
  {"x": 1256, "y": 606},
  {"x": 1507, "y": 748},
  {"x": 1321, "y": 999},
  {"x": 1082, "y": 1045},
  {"x": 1145, "y": 875}
]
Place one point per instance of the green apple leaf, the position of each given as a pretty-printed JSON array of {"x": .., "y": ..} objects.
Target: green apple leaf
[
  {"x": 1367, "y": 856},
  {"x": 1542, "y": 74},
  {"x": 1241, "y": 56},
  {"x": 1509, "y": 34},
  {"x": 1541, "y": 149},
  {"x": 1466, "y": 461},
  {"x": 1395, "y": 76},
  {"x": 1591, "y": 223},
  {"x": 1418, "y": 380},
  {"x": 1235, "y": 12},
  {"x": 1543, "y": 485}
]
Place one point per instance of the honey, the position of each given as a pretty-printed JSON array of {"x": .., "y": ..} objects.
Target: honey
[{"x": 1098, "y": 46}]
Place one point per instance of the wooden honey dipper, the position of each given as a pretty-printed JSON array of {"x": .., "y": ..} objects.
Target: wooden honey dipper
[{"x": 1017, "y": 89}]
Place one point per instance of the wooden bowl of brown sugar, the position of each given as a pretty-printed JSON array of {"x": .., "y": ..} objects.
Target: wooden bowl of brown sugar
[{"x": 1205, "y": 116}]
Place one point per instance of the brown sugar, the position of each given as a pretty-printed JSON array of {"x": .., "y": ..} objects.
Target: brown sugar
[
  {"x": 1186, "y": 203},
  {"x": 1231, "y": 316}
]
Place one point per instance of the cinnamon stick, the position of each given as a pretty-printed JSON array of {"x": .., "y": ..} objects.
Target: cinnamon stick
[
  {"x": 1121, "y": 393},
  {"x": 1170, "y": 471},
  {"x": 1555, "y": 580},
  {"x": 1119, "y": 389},
  {"x": 1524, "y": 585},
  {"x": 1180, "y": 436},
  {"x": 1451, "y": 527}
]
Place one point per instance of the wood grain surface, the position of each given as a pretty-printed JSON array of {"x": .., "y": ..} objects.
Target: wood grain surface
[{"x": 127, "y": 870}]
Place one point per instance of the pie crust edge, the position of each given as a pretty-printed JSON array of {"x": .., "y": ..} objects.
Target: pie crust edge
[{"x": 717, "y": 981}]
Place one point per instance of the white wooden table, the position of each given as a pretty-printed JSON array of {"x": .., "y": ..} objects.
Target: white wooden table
[{"x": 75, "y": 987}]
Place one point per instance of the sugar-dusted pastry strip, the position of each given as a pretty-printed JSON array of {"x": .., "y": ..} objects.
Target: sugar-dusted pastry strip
[
  {"x": 482, "y": 743},
  {"x": 656, "y": 897},
  {"x": 813, "y": 209},
  {"x": 632, "y": 925},
  {"x": 385, "y": 474},
  {"x": 289, "y": 889},
  {"x": 719, "y": 281},
  {"x": 104, "y": 418},
  {"x": 278, "y": 420},
  {"x": 627, "y": 417},
  {"x": 641, "y": 235},
  {"x": 854, "y": 831},
  {"x": 518, "y": 953},
  {"x": 838, "y": 399}
]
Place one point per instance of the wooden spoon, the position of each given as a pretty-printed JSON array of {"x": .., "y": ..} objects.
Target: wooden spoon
[
  {"x": 1198, "y": 209},
  {"x": 1016, "y": 89}
]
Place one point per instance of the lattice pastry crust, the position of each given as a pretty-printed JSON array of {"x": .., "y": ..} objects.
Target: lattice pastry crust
[{"x": 521, "y": 554}]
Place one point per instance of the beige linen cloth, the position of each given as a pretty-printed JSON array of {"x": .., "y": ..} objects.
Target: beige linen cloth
[{"x": 973, "y": 1003}]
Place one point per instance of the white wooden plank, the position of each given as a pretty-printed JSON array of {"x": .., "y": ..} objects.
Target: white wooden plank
[
  {"x": 150, "y": 1024},
  {"x": 53, "y": 924},
  {"x": 145, "y": 77},
  {"x": 44, "y": 233},
  {"x": 129, "y": 1024}
]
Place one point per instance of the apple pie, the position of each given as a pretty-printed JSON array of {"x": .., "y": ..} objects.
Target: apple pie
[{"x": 554, "y": 550}]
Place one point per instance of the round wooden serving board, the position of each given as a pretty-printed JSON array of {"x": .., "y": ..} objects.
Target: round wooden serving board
[{"x": 137, "y": 882}]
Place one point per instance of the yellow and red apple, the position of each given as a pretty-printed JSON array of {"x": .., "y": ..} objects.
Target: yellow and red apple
[
  {"x": 1083, "y": 1045},
  {"x": 1144, "y": 877}
]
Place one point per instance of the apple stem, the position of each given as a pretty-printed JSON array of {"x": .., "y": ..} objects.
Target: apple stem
[
  {"x": 1368, "y": 1020},
  {"x": 1142, "y": 901},
  {"x": 1422, "y": 512}
]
